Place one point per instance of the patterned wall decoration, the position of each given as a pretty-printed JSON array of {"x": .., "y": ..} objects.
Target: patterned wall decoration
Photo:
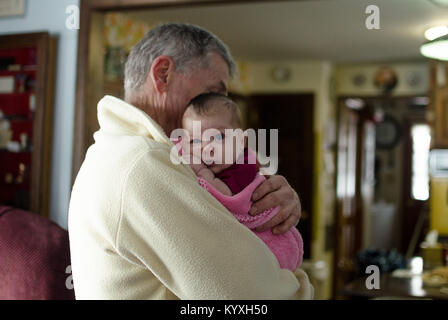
[{"x": 121, "y": 34}]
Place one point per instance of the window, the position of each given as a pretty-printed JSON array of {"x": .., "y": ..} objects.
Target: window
[{"x": 421, "y": 138}]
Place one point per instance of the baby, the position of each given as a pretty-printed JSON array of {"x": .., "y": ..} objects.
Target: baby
[
  {"x": 215, "y": 113},
  {"x": 231, "y": 174}
]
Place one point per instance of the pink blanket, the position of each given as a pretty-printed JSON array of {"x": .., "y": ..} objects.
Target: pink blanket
[{"x": 287, "y": 247}]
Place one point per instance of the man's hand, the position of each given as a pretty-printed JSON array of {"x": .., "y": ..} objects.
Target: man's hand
[{"x": 276, "y": 191}]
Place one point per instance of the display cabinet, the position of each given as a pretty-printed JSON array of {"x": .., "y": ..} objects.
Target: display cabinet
[{"x": 26, "y": 91}]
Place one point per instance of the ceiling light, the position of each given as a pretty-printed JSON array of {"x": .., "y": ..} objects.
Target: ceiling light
[
  {"x": 442, "y": 3},
  {"x": 436, "y": 32},
  {"x": 436, "y": 49}
]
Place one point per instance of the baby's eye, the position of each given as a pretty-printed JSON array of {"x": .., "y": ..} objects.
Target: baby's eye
[
  {"x": 219, "y": 137},
  {"x": 195, "y": 141}
]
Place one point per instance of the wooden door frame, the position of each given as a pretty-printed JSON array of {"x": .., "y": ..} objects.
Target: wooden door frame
[
  {"x": 407, "y": 179},
  {"x": 359, "y": 209},
  {"x": 89, "y": 74},
  {"x": 359, "y": 222},
  {"x": 337, "y": 219}
]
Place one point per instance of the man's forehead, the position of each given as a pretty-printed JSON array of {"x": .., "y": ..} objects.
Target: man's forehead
[{"x": 219, "y": 73}]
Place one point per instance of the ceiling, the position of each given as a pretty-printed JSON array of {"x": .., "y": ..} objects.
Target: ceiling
[{"x": 316, "y": 29}]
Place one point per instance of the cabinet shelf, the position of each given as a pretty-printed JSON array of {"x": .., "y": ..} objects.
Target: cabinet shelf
[
  {"x": 15, "y": 94},
  {"x": 22, "y": 152},
  {"x": 4, "y": 73}
]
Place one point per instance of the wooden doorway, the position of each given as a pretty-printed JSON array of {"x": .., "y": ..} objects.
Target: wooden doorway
[
  {"x": 293, "y": 116},
  {"x": 416, "y": 133},
  {"x": 354, "y": 189},
  {"x": 91, "y": 50}
]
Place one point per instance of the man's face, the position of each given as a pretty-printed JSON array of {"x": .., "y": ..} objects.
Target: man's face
[{"x": 184, "y": 87}]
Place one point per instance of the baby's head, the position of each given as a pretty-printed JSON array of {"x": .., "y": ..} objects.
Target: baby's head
[{"x": 216, "y": 112}]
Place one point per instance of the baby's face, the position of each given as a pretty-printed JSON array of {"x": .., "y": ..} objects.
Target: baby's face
[{"x": 211, "y": 144}]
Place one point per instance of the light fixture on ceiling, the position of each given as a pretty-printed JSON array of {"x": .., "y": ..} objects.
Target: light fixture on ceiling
[
  {"x": 436, "y": 32},
  {"x": 436, "y": 49},
  {"x": 441, "y": 3}
]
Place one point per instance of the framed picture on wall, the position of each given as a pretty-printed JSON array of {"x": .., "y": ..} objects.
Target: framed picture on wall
[{"x": 11, "y": 8}]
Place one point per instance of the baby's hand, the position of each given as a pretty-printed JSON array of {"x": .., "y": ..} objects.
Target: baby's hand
[
  {"x": 202, "y": 171},
  {"x": 195, "y": 163},
  {"x": 198, "y": 167}
]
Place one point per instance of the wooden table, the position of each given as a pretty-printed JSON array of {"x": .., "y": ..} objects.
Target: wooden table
[{"x": 393, "y": 287}]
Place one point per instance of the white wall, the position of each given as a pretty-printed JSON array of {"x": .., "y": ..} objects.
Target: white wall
[{"x": 49, "y": 15}]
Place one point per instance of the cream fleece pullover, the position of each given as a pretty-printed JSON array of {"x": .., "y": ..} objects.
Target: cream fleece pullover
[{"x": 141, "y": 227}]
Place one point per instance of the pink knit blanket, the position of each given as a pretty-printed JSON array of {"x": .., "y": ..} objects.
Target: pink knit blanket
[{"x": 287, "y": 247}]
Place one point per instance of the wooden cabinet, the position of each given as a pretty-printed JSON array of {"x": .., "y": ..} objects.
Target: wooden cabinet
[
  {"x": 26, "y": 90},
  {"x": 438, "y": 104}
]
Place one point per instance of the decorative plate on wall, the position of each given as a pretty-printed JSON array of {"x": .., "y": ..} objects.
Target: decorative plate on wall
[
  {"x": 359, "y": 79},
  {"x": 414, "y": 79},
  {"x": 281, "y": 74}
]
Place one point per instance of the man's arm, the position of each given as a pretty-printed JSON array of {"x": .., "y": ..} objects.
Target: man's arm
[{"x": 190, "y": 242}]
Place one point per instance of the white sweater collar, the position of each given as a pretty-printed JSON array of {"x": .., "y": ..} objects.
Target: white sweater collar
[{"x": 119, "y": 117}]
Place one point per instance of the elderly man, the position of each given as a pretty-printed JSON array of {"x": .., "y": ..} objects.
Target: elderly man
[{"x": 140, "y": 226}]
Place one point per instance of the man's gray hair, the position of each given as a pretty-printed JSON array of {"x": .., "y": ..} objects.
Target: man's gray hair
[{"x": 188, "y": 45}]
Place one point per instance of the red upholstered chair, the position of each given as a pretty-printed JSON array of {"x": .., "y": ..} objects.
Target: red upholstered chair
[{"x": 34, "y": 256}]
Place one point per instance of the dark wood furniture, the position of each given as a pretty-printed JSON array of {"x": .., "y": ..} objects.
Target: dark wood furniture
[
  {"x": 438, "y": 105},
  {"x": 393, "y": 288},
  {"x": 25, "y": 172}
]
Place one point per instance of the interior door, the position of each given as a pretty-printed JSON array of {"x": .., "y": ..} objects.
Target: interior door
[
  {"x": 415, "y": 186},
  {"x": 292, "y": 115}
]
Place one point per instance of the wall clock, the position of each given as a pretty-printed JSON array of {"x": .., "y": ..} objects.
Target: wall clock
[
  {"x": 359, "y": 80},
  {"x": 388, "y": 132}
]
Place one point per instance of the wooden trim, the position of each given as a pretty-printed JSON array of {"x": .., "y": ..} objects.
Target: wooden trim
[
  {"x": 381, "y": 97},
  {"x": 108, "y": 5},
  {"x": 412, "y": 216},
  {"x": 48, "y": 128},
  {"x": 436, "y": 112},
  {"x": 38, "y": 125},
  {"x": 79, "y": 145},
  {"x": 12, "y": 41}
]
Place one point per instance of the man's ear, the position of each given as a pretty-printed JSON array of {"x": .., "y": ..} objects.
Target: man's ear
[{"x": 160, "y": 72}]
